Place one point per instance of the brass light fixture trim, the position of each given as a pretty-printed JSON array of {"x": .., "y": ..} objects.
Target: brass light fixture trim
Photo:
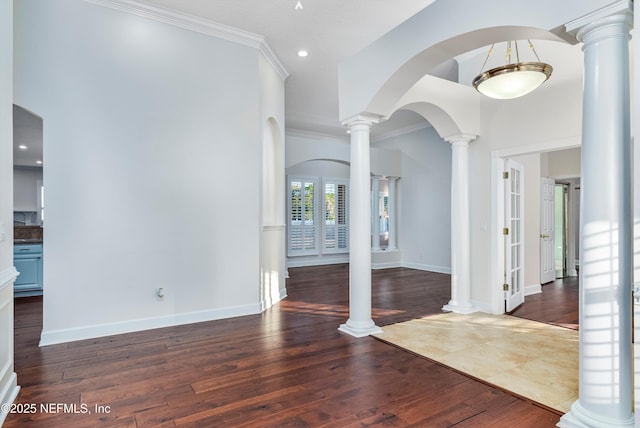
[{"x": 512, "y": 80}]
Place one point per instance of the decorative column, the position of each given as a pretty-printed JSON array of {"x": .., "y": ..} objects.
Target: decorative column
[
  {"x": 360, "y": 323},
  {"x": 605, "y": 366},
  {"x": 460, "y": 226},
  {"x": 392, "y": 246},
  {"x": 375, "y": 215}
]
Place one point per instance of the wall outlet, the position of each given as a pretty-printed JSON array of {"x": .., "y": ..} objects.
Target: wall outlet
[{"x": 160, "y": 293}]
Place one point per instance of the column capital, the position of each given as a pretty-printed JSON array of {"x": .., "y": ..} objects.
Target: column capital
[
  {"x": 460, "y": 139},
  {"x": 384, "y": 177},
  {"x": 367, "y": 119},
  {"x": 619, "y": 12}
]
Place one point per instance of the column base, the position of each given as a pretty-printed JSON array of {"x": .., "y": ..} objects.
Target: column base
[
  {"x": 359, "y": 329},
  {"x": 459, "y": 309},
  {"x": 578, "y": 417}
]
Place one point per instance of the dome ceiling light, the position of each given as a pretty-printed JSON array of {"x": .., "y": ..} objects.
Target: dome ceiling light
[{"x": 512, "y": 80}]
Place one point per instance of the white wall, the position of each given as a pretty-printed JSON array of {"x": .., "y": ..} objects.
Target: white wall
[
  {"x": 25, "y": 188},
  {"x": 564, "y": 163},
  {"x": 424, "y": 199},
  {"x": 320, "y": 168},
  {"x": 8, "y": 383},
  {"x": 152, "y": 147}
]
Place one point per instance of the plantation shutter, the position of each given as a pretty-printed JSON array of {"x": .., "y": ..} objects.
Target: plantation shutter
[
  {"x": 336, "y": 229},
  {"x": 302, "y": 220}
]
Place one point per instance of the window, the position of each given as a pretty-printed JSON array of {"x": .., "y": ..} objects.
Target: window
[
  {"x": 302, "y": 217},
  {"x": 318, "y": 217},
  {"x": 383, "y": 190},
  {"x": 336, "y": 229}
]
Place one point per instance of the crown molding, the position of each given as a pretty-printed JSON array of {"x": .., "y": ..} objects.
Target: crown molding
[
  {"x": 302, "y": 133},
  {"x": 271, "y": 57},
  {"x": 197, "y": 25},
  {"x": 400, "y": 131}
]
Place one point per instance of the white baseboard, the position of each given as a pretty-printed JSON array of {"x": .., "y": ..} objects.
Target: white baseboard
[
  {"x": 386, "y": 265},
  {"x": 481, "y": 306},
  {"x": 8, "y": 394},
  {"x": 532, "y": 289},
  {"x": 8, "y": 380},
  {"x": 429, "y": 268},
  {"x": 317, "y": 261},
  {"x": 7, "y": 277},
  {"x": 80, "y": 333}
]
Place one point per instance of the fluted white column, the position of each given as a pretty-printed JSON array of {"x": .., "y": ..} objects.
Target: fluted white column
[
  {"x": 605, "y": 367},
  {"x": 392, "y": 245},
  {"x": 375, "y": 214},
  {"x": 460, "y": 227},
  {"x": 360, "y": 323}
]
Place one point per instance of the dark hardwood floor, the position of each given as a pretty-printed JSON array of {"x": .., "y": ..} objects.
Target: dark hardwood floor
[
  {"x": 287, "y": 367},
  {"x": 557, "y": 304}
]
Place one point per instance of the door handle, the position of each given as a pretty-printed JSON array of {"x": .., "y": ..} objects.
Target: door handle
[{"x": 543, "y": 236}]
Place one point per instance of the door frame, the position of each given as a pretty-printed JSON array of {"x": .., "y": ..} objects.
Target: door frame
[{"x": 498, "y": 158}]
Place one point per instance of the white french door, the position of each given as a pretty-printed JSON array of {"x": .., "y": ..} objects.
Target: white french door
[
  {"x": 513, "y": 275},
  {"x": 547, "y": 231}
]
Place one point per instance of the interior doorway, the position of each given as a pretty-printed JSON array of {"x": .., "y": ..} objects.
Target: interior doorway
[
  {"x": 559, "y": 162},
  {"x": 28, "y": 202},
  {"x": 561, "y": 219}
]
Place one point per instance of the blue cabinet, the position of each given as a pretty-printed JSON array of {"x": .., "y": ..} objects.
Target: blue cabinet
[{"x": 28, "y": 261}]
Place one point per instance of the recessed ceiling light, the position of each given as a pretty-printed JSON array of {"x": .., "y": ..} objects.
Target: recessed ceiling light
[
  {"x": 39, "y": 162},
  {"x": 303, "y": 53},
  {"x": 22, "y": 147}
]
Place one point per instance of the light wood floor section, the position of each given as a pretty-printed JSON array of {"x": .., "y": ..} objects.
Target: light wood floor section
[
  {"x": 534, "y": 360},
  {"x": 287, "y": 367}
]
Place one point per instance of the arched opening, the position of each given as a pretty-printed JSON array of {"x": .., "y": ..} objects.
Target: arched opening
[{"x": 317, "y": 212}]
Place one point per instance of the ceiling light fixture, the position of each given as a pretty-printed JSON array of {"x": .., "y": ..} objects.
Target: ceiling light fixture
[
  {"x": 39, "y": 162},
  {"x": 512, "y": 80},
  {"x": 302, "y": 53},
  {"x": 22, "y": 147}
]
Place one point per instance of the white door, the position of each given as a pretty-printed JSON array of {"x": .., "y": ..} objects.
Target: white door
[
  {"x": 547, "y": 231},
  {"x": 513, "y": 276}
]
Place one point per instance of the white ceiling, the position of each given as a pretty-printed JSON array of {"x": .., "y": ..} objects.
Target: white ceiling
[
  {"x": 27, "y": 131},
  {"x": 330, "y": 30}
]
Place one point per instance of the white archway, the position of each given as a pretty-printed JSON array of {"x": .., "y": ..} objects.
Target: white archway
[
  {"x": 434, "y": 35},
  {"x": 399, "y": 60}
]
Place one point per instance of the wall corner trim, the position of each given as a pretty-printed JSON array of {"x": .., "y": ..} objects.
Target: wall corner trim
[
  {"x": 8, "y": 394},
  {"x": 8, "y": 276}
]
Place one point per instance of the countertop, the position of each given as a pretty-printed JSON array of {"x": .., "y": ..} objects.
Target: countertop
[{"x": 27, "y": 241}]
